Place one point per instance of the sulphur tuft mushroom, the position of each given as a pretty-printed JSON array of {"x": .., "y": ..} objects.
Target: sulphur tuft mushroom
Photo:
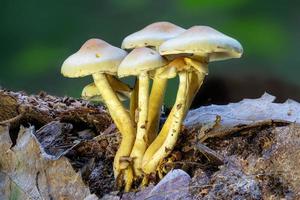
[
  {"x": 153, "y": 36},
  {"x": 139, "y": 62},
  {"x": 91, "y": 93},
  {"x": 185, "y": 53},
  {"x": 101, "y": 60},
  {"x": 192, "y": 51},
  {"x": 200, "y": 45}
]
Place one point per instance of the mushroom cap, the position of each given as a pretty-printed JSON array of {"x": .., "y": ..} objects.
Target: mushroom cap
[
  {"x": 140, "y": 60},
  {"x": 94, "y": 56},
  {"x": 203, "y": 41},
  {"x": 152, "y": 35},
  {"x": 91, "y": 92}
]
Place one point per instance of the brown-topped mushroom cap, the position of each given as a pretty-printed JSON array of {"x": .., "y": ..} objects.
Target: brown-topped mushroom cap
[
  {"x": 152, "y": 35},
  {"x": 94, "y": 56}
]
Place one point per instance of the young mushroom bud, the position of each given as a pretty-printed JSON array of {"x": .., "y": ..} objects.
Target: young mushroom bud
[
  {"x": 91, "y": 93},
  {"x": 101, "y": 60}
]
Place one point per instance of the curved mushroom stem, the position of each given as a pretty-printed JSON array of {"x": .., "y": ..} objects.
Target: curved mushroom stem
[
  {"x": 159, "y": 140},
  {"x": 154, "y": 110},
  {"x": 121, "y": 118},
  {"x": 195, "y": 80},
  {"x": 141, "y": 140},
  {"x": 155, "y": 103},
  {"x": 175, "y": 125},
  {"x": 128, "y": 174}
]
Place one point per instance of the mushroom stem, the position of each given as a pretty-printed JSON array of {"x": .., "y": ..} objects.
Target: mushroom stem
[
  {"x": 141, "y": 140},
  {"x": 175, "y": 125},
  {"x": 128, "y": 174},
  {"x": 155, "y": 103},
  {"x": 120, "y": 116},
  {"x": 196, "y": 79},
  {"x": 128, "y": 178},
  {"x": 134, "y": 101},
  {"x": 159, "y": 140}
]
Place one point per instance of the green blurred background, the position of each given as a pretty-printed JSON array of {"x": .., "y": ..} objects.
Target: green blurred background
[{"x": 36, "y": 36}]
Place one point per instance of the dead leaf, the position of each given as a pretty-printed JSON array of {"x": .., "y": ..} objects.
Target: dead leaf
[
  {"x": 30, "y": 176},
  {"x": 54, "y": 139}
]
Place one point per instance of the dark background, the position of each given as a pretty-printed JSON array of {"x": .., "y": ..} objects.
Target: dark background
[{"x": 37, "y": 36}]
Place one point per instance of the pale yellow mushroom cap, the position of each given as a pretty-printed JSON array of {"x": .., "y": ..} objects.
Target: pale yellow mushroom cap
[
  {"x": 94, "y": 56},
  {"x": 92, "y": 93},
  {"x": 152, "y": 35},
  {"x": 140, "y": 60},
  {"x": 203, "y": 41}
]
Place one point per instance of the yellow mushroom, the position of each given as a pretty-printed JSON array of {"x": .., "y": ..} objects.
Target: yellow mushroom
[
  {"x": 139, "y": 62},
  {"x": 202, "y": 44},
  {"x": 101, "y": 60},
  {"x": 153, "y": 36},
  {"x": 91, "y": 93},
  {"x": 188, "y": 70}
]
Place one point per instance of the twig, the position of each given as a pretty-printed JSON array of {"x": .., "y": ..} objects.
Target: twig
[
  {"x": 11, "y": 120},
  {"x": 221, "y": 132},
  {"x": 210, "y": 154}
]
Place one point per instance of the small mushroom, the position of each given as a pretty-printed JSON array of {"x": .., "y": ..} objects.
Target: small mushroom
[
  {"x": 194, "y": 48},
  {"x": 153, "y": 36},
  {"x": 101, "y": 60},
  {"x": 91, "y": 93},
  {"x": 139, "y": 62}
]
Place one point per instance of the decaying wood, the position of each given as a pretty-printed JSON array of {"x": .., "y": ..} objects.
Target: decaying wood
[
  {"x": 64, "y": 127},
  {"x": 228, "y": 154},
  {"x": 215, "y": 130}
]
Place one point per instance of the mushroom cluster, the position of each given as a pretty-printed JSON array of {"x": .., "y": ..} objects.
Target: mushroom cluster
[{"x": 160, "y": 51}]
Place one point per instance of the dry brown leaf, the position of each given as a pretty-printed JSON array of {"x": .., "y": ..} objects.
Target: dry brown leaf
[{"x": 30, "y": 176}]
